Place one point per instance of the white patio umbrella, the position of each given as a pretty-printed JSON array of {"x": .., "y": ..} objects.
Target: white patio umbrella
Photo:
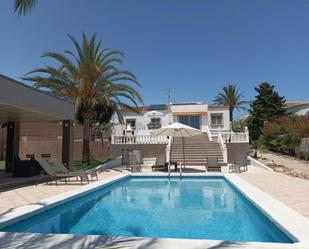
[{"x": 177, "y": 130}]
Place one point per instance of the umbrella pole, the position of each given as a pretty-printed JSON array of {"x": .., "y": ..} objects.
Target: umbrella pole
[{"x": 183, "y": 151}]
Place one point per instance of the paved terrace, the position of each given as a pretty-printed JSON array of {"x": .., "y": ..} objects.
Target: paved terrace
[{"x": 289, "y": 190}]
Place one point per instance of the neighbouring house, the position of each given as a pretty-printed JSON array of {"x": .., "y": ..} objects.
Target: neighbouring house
[
  {"x": 213, "y": 121},
  {"x": 298, "y": 108}
]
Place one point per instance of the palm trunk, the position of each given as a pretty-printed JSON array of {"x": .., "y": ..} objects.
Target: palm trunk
[
  {"x": 86, "y": 146},
  {"x": 231, "y": 114}
]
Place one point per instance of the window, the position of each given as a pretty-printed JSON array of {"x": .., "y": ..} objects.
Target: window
[
  {"x": 155, "y": 123},
  {"x": 216, "y": 119},
  {"x": 193, "y": 121},
  {"x": 131, "y": 122}
]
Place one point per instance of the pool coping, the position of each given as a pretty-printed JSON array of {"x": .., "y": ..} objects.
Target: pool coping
[{"x": 288, "y": 220}]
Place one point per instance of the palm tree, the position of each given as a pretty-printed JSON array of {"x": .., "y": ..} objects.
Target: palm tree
[
  {"x": 22, "y": 7},
  {"x": 232, "y": 97},
  {"x": 88, "y": 78}
]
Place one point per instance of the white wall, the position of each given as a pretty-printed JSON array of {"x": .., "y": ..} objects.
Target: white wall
[
  {"x": 204, "y": 122},
  {"x": 299, "y": 110},
  {"x": 188, "y": 107},
  {"x": 142, "y": 120},
  {"x": 226, "y": 117}
]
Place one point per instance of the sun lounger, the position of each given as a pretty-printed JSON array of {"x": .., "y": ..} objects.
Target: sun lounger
[
  {"x": 213, "y": 164},
  {"x": 63, "y": 169},
  {"x": 160, "y": 164},
  {"x": 52, "y": 175}
]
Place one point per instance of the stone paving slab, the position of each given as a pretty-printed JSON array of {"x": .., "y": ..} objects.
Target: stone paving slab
[
  {"x": 10, "y": 199},
  {"x": 56, "y": 241},
  {"x": 291, "y": 191}
]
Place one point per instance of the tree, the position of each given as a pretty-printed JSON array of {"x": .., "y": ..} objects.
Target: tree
[
  {"x": 240, "y": 124},
  {"x": 101, "y": 115},
  {"x": 22, "y": 7},
  {"x": 89, "y": 78},
  {"x": 267, "y": 106},
  {"x": 232, "y": 97}
]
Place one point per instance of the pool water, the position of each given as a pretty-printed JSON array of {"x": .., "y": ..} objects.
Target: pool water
[{"x": 193, "y": 208}]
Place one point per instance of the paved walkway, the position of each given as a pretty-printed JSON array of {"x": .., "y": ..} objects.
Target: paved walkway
[
  {"x": 290, "y": 190},
  {"x": 10, "y": 199},
  {"x": 288, "y": 162}
]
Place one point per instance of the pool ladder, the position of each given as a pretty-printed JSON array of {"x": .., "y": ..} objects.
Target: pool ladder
[{"x": 180, "y": 169}]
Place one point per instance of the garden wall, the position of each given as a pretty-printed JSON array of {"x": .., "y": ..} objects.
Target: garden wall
[
  {"x": 235, "y": 149},
  {"x": 148, "y": 150},
  {"x": 303, "y": 146},
  {"x": 53, "y": 147}
]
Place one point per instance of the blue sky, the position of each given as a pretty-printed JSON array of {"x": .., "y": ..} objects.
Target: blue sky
[{"x": 193, "y": 47}]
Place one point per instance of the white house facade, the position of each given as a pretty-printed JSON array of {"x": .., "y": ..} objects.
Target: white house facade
[{"x": 209, "y": 119}]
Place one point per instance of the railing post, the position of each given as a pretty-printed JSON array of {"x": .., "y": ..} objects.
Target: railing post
[
  {"x": 223, "y": 147},
  {"x": 208, "y": 133},
  {"x": 169, "y": 169},
  {"x": 168, "y": 149},
  {"x": 247, "y": 134},
  {"x": 180, "y": 169}
]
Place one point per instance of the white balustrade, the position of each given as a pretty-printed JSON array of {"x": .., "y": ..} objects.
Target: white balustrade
[
  {"x": 235, "y": 137},
  {"x": 208, "y": 133},
  {"x": 222, "y": 146},
  {"x": 140, "y": 139}
]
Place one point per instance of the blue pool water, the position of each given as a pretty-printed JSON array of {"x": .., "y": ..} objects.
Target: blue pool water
[{"x": 194, "y": 207}]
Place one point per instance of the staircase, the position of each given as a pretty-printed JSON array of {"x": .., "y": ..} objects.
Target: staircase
[{"x": 195, "y": 150}]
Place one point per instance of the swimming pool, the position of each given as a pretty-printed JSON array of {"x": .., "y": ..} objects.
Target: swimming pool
[{"x": 191, "y": 207}]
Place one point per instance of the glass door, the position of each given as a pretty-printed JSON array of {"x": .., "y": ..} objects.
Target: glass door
[{"x": 193, "y": 121}]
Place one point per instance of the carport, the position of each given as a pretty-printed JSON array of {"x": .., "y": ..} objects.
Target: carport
[{"x": 20, "y": 103}]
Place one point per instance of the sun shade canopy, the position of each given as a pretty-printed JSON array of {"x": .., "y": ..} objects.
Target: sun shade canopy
[{"x": 177, "y": 130}]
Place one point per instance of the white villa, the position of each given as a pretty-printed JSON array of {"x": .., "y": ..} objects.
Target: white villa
[
  {"x": 298, "y": 108},
  {"x": 209, "y": 119}
]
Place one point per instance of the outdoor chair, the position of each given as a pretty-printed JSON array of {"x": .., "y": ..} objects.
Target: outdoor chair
[
  {"x": 26, "y": 168},
  {"x": 213, "y": 164},
  {"x": 63, "y": 169},
  {"x": 160, "y": 164},
  {"x": 239, "y": 163},
  {"x": 134, "y": 166},
  {"x": 51, "y": 175}
]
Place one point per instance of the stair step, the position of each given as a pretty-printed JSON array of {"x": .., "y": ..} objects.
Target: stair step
[
  {"x": 198, "y": 156},
  {"x": 196, "y": 145},
  {"x": 195, "y": 150}
]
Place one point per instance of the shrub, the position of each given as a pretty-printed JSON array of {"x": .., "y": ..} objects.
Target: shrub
[
  {"x": 301, "y": 155},
  {"x": 285, "y": 133}
]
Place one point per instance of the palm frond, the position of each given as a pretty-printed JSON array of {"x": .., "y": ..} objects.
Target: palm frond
[
  {"x": 22, "y": 7},
  {"x": 89, "y": 74},
  {"x": 231, "y": 96}
]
